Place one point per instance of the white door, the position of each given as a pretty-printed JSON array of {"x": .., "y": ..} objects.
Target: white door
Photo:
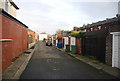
[
  {"x": 116, "y": 50},
  {"x": 65, "y": 42},
  {"x": 56, "y": 41},
  {"x": 72, "y": 42}
]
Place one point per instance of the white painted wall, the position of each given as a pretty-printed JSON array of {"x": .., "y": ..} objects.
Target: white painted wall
[
  {"x": 11, "y": 8},
  {"x": 52, "y": 40},
  {"x": 2, "y": 4},
  {"x": 56, "y": 42},
  {"x": 42, "y": 36},
  {"x": 66, "y": 40},
  {"x": 72, "y": 41},
  {"x": 116, "y": 49}
]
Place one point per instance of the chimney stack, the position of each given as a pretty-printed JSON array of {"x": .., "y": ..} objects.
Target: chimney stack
[{"x": 118, "y": 15}]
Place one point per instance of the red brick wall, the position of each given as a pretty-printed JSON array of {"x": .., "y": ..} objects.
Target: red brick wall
[
  {"x": 12, "y": 49},
  {"x": 33, "y": 36},
  {"x": 59, "y": 36},
  {"x": 0, "y": 44},
  {"x": 78, "y": 45},
  {"x": 69, "y": 41}
]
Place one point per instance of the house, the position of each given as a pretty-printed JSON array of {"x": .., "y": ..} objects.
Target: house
[
  {"x": 36, "y": 37},
  {"x": 13, "y": 38},
  {"x": 9, "y": 6},
  {"x": 75, "y": 28},
  {"x": 65, "y": 38},
  {"x": 32, "y": 38},
  {"x": 42, "y": 36}
]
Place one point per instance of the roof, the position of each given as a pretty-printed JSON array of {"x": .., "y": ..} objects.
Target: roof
[
  {"x": 108, "y": 20},
  {"x": 11, "y": 17},
  {"x": 30, "y": 30},
  {"x": 97, "y": 33},
  {"x": 43, "y": 33},
  {"x": 13, "y": 4}
]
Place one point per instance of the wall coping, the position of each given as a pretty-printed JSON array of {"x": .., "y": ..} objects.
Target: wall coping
[{"x": 115, "y": 33}]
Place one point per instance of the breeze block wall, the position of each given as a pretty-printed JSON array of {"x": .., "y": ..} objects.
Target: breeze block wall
[
  {"x": 16, "y": 31},
  {"x": 113, "y": 26}
]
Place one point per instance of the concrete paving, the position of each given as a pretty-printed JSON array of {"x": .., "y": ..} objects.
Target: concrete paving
[{"x": 50, "y": 63}]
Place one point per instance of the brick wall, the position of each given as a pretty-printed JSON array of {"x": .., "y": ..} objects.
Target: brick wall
[
  {"x": 33, "y": 36},
  {"x": 0, "y": 44},
  {"x": 112, "y": 27},
  {"x": 78, "y": 46},
  {"x": 109, "y": 50},
  {"x": 15, "y": 30}
]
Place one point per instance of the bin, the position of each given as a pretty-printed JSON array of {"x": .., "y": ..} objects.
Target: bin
[
  {"x": 59, "y": 45},
  {"x": 67, "y": 49},
  {"x": 73, "y": 49}
]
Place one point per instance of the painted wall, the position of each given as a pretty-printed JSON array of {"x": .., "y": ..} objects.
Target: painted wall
[
  {"x": 66, "y": 41},
  {"x": 2, "y": 4},
  {"x": 12, "y": 10},
  {"x": 36, "y": 37},
  {"x": 72, "y": 42},
  {"x": 12, "y": 48},
  {"x": 42, "y": 36},
  {"x": 8, "y": 7}
]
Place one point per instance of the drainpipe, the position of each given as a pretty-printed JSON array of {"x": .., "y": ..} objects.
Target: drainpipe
[{"x": 6, "y": 6}]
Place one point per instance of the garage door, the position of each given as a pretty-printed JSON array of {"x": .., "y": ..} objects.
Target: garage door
[{"x": 116, "y": 50}]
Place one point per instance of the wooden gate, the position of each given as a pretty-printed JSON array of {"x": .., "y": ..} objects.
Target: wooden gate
[
  {"x": 94, "y": 44},
  {"x": 78, "y": 45}
]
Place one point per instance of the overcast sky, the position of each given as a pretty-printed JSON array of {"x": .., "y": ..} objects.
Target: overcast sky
[{"x": 50, "y": 15}]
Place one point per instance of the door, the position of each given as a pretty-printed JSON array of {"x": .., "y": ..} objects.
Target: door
[
  {"x": 116, "y": 49},
  {"x": 72, "y": 42},
  {"x": 65, "y": 42}
]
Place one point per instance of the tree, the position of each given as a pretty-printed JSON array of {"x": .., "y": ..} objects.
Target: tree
[{"x": 77, "y": 34}]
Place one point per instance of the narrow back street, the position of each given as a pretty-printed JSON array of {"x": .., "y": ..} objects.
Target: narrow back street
[{"x": 50, "y": 63}]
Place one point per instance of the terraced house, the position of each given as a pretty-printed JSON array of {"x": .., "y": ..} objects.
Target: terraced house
[{"x": 13, "y": 33}]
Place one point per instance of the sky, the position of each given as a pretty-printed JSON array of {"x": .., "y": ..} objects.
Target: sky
[{"x": 51, "y": 15}]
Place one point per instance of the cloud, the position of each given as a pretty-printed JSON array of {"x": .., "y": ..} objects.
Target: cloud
[{"x": 50, "y": 15}]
